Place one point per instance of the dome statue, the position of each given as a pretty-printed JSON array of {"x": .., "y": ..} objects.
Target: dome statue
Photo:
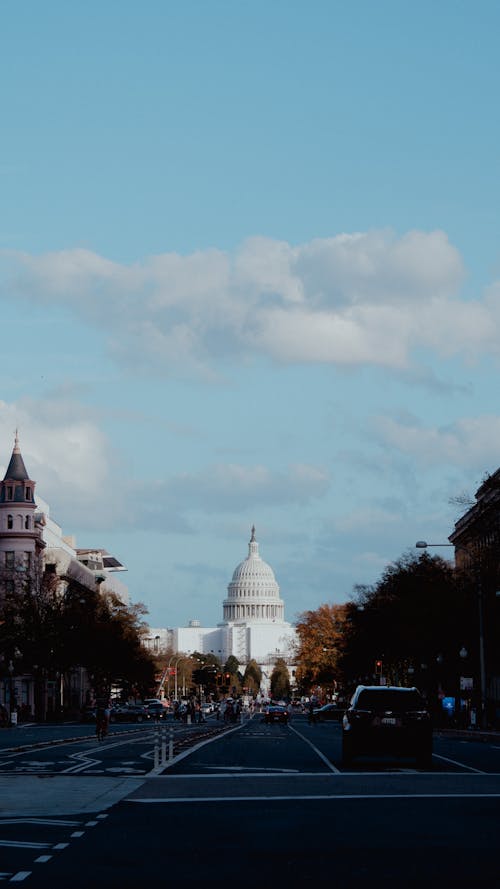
[{"x": 253, "y": 593}]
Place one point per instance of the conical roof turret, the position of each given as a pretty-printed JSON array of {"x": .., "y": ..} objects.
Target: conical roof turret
[{"x": 16, "y": 469}]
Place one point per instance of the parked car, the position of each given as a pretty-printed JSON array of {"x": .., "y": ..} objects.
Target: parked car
[
  {"x": 276, "y": 713},
  {"x": 328, "y": 712},
  {"x": 387, "y": 719},
  {"x": 129, "y": 713}
]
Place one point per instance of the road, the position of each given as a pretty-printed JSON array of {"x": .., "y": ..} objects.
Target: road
[{"x": 255, "y": 804}]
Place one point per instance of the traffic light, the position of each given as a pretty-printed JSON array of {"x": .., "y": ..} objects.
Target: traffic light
[{"x": 378, "y": 668}]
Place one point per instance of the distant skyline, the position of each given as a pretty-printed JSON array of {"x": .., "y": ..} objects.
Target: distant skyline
[{"x": 250, "y": 274}]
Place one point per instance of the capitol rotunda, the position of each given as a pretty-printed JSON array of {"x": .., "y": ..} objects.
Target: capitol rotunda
[{"x": 253, "y": 625}]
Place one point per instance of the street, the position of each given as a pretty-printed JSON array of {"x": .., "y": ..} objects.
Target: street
[{"x": 253, "y": 803}]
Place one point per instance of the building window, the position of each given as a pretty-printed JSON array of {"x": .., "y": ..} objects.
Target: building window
[
  {"x": 10, "y": 522},
  {"x": 9, "y": 559},
  {"x": 9, "y": 492},
  {"x": 28, "y": 493},
  {"x": 9, "y": 587},
  {"x": 27, "y": 522},
  {"x": 27, "y": 560}
]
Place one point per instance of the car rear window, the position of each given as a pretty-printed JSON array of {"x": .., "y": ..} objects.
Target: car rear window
[{"x": 389, "y": 699}]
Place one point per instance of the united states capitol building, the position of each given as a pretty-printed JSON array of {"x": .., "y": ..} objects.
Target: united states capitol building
[{"x": 253, "y": 625}]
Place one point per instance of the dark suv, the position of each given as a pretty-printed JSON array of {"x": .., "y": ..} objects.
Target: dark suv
[{"x": 387, "y": 719}]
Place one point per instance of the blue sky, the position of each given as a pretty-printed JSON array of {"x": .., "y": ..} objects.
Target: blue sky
[{"x": 250, "y": 273}]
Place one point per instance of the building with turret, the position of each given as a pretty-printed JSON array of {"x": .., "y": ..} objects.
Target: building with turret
[
  {"x": 21, "y": 539},
  {"x": 33, "y": 547}
]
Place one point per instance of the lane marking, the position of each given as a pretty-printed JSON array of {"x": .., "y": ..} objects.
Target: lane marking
[
  {"x": 302, "y": 797},
  {"x": 21, "y": 875},
  {"x": 61, "y": 846},
  {"x": 77, "y": 833},
  {"x": 57, "y": 822},
  {"x": 42, "y": 859},
  {"x": 250, "y": 770},
  {"x": 318, "y": 774},
  {"x": 318, "y": 752},
  {"x": 22, "y": 844},
  {"x": 461, "y": 764}
]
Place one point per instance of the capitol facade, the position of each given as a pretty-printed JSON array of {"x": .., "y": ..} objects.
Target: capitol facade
[{"x": 253, "y": 625}]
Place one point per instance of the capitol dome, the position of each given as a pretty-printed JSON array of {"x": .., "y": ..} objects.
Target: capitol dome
[{"x": 253, "y": 593}]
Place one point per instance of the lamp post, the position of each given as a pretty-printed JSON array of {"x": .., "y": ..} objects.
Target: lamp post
[{"x": 422, "y": 544}]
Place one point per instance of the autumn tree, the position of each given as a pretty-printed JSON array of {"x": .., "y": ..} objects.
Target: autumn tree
[{"x": 321, "y": 645}]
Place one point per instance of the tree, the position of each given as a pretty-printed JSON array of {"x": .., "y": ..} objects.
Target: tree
[
  {"x": 321, "y": 644},
  {"x": 280, "y": 680},
  {"x": 416, "y": 611},
  {"x": 252, "y": 677},
  {"x": 59, "y": 626}
]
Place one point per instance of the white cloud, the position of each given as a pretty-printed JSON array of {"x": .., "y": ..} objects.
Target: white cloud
[
  {"x": 224, "y": 487},
  {"x": 365, "y": 298},
  {"x": 75, "y": 469},
  {"x": 366, "y": 520},
  {"x": 64, "y": 452},
  {"x": 468, "y": 442}
]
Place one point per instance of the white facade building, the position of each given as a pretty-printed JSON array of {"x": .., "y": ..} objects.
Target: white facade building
[{"x": 253, "y": 625}]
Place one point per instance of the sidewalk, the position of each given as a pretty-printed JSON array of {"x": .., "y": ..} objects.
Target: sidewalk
[{"x": 54, "y": 795}]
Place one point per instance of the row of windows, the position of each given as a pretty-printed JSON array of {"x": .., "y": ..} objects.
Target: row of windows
[
  {"x": 268, "y": 611},
  {"x": 28, "y": 492},
  {"x": 252, "y": 590},
  {"x": 21, "y": 522},
  {"x": 23, "y": 558}
]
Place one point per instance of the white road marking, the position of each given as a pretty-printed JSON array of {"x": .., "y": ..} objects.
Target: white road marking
[
  {"x": 122, "y": 770},
  {"x": 91, "y": 823},
  {"x": 57, "y": 822},
  {"x": 42, "y": 859},
  {"x": 61, "y": 846},
  {"x": 78, "y": 833},
  {"x": 318, "y": 752},
  {"x": 319, "y": 796},
  {"x": 461, "y": 764},
  {"x": 253, "y": 769},
  {"x": 21, "y": 875}
]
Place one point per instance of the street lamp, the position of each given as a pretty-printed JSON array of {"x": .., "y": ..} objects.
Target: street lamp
[{"x": 422, "y": 544}]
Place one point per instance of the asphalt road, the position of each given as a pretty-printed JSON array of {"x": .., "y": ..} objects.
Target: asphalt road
[{"x": 268, "y": 806}]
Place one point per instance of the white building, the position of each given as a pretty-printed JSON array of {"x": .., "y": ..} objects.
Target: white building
[
  {"x": 87, "y": 566},
  {"x": 253, "y": 625}
]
